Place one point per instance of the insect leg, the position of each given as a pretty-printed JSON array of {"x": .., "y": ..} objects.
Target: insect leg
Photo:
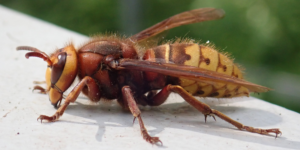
[
  {"x": 206, "y": 110},
  {"x": 243, "y": 127},
  {"x": 159, "y": 98},
  {"x": 41, "y": 89},
  {"x": 94, "y": 95},
  {"x": 128, "y": 97}
]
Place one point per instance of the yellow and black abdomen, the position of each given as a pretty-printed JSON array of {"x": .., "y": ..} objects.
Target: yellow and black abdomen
[{"x": 203, "y": 57}]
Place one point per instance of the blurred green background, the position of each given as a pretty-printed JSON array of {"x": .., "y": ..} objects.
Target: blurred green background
[{"x": 261, "y": 35}]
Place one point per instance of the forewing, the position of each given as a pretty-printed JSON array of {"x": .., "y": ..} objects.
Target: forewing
[
  {"x": 184, "y": 18},
  {"x": 188, "y": 72}
]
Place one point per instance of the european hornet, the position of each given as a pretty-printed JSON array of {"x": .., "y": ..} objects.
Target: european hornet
[{"x": 110, "y": 67}]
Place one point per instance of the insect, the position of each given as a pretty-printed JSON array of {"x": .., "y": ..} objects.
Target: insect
[{"x": 116, "y": 68}]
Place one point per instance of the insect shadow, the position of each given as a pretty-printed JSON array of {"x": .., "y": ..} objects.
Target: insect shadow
[{"x": 181, "y": 116}]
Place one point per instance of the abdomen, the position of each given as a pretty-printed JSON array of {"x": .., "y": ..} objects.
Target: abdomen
[{"x": 203, "y": 57}]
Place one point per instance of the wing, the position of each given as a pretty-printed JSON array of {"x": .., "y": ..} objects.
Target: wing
[
  {"x": 184, "y": 18},
  {"x": 188, "y": 72}
]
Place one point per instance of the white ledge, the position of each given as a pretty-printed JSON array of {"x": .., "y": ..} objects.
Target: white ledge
[{"x": 107, "y": 126}]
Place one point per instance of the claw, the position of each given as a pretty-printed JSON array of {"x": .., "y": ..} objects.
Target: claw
[
  {"x": 278, "y": 133},
  {"x": 205, "y": 117},
  {"x": 154, "y": 140},
  {"x": 150, "y": 139},
  {"x": 214, "y": 117},
  {"x": 133, "y": 120},
  {"x": 40, "y": 119},
  {"x": 50, "y": 119},
  {"x": 41, "y": 90}
]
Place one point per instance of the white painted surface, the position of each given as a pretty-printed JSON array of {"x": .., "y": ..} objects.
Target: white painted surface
[{"x": 106, "y": 125}]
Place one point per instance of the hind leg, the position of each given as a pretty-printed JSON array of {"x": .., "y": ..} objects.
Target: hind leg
[{"x": 161, "y": 97}]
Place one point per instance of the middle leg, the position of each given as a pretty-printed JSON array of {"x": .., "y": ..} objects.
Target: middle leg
[{"x": 129, "y": 100}]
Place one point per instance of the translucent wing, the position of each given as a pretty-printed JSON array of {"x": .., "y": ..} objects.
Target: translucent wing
[
  {"x": 184, "y": 18},
  {"x": 188, "y": 72}
]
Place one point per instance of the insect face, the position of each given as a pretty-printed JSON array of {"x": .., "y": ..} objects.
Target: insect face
[{"x": 61, "y": 71}]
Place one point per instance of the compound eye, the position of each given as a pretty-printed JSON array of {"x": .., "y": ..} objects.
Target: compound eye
[{"x": 57, "y": 68}]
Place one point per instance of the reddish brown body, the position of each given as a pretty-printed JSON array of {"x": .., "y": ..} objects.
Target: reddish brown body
[
  {"x": 110, "y": 81},
  {"x": 93, "y": 55},
  {"x": 112, "y": 68}
]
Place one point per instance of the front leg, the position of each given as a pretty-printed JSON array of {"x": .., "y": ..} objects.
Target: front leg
[
  {"x": 41, "y": 89},
  {"x": 129, "y": 100},
  {"x": 94, "y": 95}
]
